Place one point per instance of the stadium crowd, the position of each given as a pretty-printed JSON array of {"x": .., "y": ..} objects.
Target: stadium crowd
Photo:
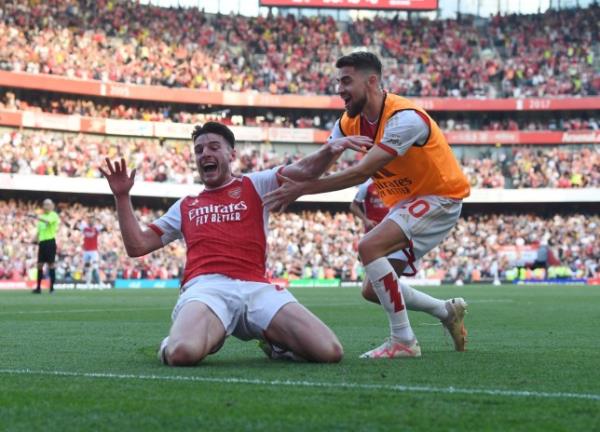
[
  {"x": 137, "y": 110},
  {"x": 546, "y": 123},
  {"x": 78, "y": 155},
  {"x": 310, "y": 244},
  {"x": 126, "y": 41},
  {"x": 505, "y": 56}
]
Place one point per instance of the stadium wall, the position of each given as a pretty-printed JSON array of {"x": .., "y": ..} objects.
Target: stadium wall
[
  {"x": 140, "y": 128},
  {"x": 57, "y": 184},
  {"x": 96, "y": 88}
]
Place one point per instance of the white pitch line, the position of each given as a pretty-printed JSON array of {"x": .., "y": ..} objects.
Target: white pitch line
[
  {"x": 331, "y": 385},
  {"x": 51, "y": 311}
]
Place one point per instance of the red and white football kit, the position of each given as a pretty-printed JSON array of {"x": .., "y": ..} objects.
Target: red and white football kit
[
  {"x": 90, "y": 244},
  {"x": 225, "y": 231},
  {"x": 368, "y": 197}
]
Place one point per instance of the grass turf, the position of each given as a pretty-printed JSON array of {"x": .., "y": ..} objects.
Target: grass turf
[{"x": 538, "y": 339}]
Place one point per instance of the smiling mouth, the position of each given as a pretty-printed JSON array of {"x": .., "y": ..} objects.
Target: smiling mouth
[{"x": 209, "y": 167}]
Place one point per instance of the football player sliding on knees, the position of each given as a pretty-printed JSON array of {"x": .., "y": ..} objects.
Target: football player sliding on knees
[
  {"x": 416, "y": 176},
  {"x": 224, "y": 289}
]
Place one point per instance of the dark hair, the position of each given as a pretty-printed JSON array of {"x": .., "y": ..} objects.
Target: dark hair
[
  {"x": 215, "y": 128},
  {"x": 361, "y": 60}
]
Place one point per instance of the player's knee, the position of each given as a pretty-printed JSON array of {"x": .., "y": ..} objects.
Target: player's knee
[
  {"x": 335, "y": 353},
  {"x": 367, "y": 250},
  {"x": 330, "y": 352},
  {"x": 184, "y": 354}
]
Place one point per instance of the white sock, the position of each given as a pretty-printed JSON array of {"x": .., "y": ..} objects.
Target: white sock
[
  {"x": 385, "y": 284},
  {"x": 419, "y": 301}
]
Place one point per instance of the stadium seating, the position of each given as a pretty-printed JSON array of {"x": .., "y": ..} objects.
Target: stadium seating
[
  {"x": 310, "y": 244},
  {"x": 551, "y": 54},
  {"x": 71, "y": 155},
  {"x": 133, "y": 43},
  {"x": 136, "y": 110}
]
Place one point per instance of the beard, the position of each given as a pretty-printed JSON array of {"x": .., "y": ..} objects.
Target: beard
[{"x": 356, "y": 108}]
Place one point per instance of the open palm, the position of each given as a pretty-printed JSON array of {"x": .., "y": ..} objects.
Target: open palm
[{"x": 120, "y": 183}]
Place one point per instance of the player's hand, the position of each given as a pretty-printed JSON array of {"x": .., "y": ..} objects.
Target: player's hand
[
  {"x": 120, "y": 183},
  {"x": 358, "y": 143},
  {"x": 369, "y": 224},
  {"x": 284, "y": 195}
]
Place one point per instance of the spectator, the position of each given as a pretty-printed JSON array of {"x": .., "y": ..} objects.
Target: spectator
[
  {"x": 123, "y": 41},
  {"x": 78, "y": 155},
  {"x": 311, "y": 244}
]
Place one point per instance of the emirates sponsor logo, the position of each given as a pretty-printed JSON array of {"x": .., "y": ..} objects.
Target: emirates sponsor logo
[
  {"x": 217, "y": 213},
  {"x": 235, "y": 193}
]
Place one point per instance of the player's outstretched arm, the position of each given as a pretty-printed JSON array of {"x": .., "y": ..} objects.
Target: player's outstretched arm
[
  {"x": 138, "y": 241},
  {"x": 290, "y": 189},
  {"x": 315, "y": 164}
]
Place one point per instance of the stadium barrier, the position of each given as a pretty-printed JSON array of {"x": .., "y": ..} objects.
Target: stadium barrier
[
  {"x": 153, "y": 129},
  {"x": 30, "y": 284},
  {"x": 314, "y": 283},
  {"x": 82, "y": 286},
  {"x": 552, "y": 282},
  {"x": 172, "y": 190},
  {"x": 21, "y": 285},
  {"x": 54, "y": 83},
  {"x": 146, "y": 283}
]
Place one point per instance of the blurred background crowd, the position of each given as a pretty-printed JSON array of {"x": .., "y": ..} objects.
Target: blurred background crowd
[
  {"x": 309, "y": 244},
  {"x": 549, "y": 54},
  {"x": 79, "y": 155},
  {"x": 136, "y": 110},
  {"x": 504, "y": 56}
]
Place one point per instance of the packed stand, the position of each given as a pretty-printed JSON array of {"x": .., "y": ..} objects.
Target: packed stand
[
  {"x": 19, "y": 252},
  {"x": 124, "y": 41},
  {"x": 78, "y": 155},
  {"x": 311, "y": 244},
  {"x": 136, "y": 110},
  {"x": 145, "y": 44},
  {"x": 565, "y": 123},
  {"x": 505, "y": 56}
]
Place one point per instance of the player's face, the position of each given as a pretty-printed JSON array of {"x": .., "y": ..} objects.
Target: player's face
[
  {"x": 352, "y": 88},
  {"x": 48, "y": 206},
  {"x": 213, "y": 158}
]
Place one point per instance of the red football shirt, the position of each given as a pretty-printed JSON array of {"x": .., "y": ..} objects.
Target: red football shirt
[
  {"x": 90, "y": 238},
  {"x": 224, "y": 229}
]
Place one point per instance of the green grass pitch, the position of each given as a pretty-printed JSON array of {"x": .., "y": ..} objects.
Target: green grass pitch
[{"x": 86, "y": 361}]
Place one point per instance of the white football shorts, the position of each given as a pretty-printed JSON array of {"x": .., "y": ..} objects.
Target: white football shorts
[
  {"x": 245, "y": 308},
  {"x": 91, "y": 257},
  {"x": 426, "y": 221}
]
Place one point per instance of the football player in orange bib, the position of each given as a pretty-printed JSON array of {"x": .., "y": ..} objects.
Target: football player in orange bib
[{"x": 417, "y": 178}]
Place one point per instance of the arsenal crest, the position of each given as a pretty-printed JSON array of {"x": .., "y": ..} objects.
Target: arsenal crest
[{"x": 235, "y": 193}]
